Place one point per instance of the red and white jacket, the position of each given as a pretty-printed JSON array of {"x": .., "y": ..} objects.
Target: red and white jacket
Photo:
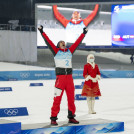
[
  {"x": 63, "y": 57},
  {"x": 73, "y": 28},
  {"x": 64, "y": 21}
]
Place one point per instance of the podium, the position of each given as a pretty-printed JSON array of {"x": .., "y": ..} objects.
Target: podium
[
  {"x": 91, "y": 126},
  {"x": 9, "y": 127}
]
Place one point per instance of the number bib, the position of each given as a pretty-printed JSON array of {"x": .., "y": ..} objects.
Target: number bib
[{"x": 63, "y": 59}]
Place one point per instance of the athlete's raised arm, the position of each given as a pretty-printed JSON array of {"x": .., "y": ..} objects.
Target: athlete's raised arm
[
  {"x": 91, "y": 16},
  {"x": 59, "y": 16},
  {"x": 49, "y": 43}
]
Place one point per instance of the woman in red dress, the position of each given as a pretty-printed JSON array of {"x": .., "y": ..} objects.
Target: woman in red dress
[{"x": 91, "y": 89}]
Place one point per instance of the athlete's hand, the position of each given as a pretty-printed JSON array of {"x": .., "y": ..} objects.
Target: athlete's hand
[
  {"x": 40, "y": 28},
  {"x": 85, "y": 30}
]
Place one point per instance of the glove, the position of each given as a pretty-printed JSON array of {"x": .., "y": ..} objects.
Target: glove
[
  {"x": 57, "y": 92},
  {"x": 85, "y": 30},
  {"x": 98, "y": 77},
  {"x": 89, "y": 77},
  {"x": 40, "y": 29},
  {"x": 94, "y": 80}
]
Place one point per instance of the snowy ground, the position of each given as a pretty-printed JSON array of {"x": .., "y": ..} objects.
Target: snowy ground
[
  {"x": 116, "y": 102},
  {"x": 6, "y": 66}
]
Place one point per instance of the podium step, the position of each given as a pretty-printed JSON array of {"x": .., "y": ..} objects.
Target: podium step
[
  {"x": 90, "y": 126},
  {"x": 10, "y": 127}
]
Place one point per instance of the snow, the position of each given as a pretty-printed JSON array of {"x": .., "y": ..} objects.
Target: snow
[
  {"x": 116, "y": 102},
  {"x": 6, "y": 66},
  {"x": 116, "y": 56}
]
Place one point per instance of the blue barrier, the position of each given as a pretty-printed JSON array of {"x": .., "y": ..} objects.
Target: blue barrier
[
  {"x": 50, "y": 74},
  {"x": 78, "y": 74},
  {"x": 27, "y": 75},
  {"x": 78, "y": 86}
]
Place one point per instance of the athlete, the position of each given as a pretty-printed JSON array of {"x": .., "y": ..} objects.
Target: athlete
[
  {"x": 75, "y": 25},
  {"x": 64, "y": 80}
]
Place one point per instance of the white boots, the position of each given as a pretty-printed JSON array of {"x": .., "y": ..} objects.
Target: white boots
[{"x": 90, "y": 103}]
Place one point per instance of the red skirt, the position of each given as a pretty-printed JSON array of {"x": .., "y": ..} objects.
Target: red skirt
[{"x": 91, "y": 89}]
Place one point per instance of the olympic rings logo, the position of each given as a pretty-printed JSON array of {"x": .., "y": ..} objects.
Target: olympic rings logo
[
  {"x": 11, "y": 111},
  {"x": 24, "y": 75},
  {"x": 130, "y": 75}
]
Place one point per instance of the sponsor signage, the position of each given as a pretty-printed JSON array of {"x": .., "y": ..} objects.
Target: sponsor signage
[
  {"x": 3, "y": 89},
  {"x": 36, "y": 84},
  {"x": 79, "y": 97},
  {"x": 27, "y": 75},
  {"x": 8, "y": 112},
  {"x": 79, "y": 86},
  {"x": 50, "y": 74}
]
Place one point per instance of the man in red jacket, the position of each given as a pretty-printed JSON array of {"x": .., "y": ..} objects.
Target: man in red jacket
[
  {"x": 76, "y": 17},
  {"x": 64, "y": 80},
  {"x": 75, "y": 25}
]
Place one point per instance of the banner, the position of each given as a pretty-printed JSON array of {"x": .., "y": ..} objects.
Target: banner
[
  {"x": 79, "y": 97},
  {"x": 4, "y": 89},
  {"x": 8, "y": 112},
  {"x": 36, "y": 84},
  {"x": 50, "y": 74}
]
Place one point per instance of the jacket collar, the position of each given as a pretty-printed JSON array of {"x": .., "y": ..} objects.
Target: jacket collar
[
  {"x": 64, "y": 50},
  {"x": 92, "y": 64},
  {"x": 76, "y": 21}
]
